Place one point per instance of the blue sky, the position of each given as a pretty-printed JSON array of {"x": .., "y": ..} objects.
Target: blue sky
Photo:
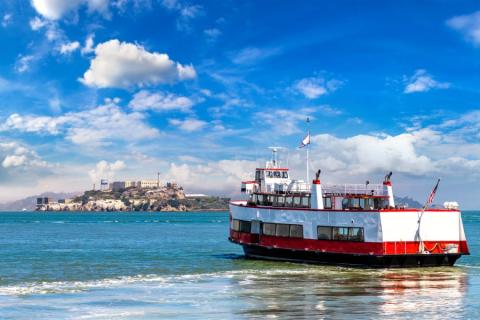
[{"x": 119, "y": 89}]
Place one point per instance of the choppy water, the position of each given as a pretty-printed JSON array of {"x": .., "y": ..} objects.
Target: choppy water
[{"x": 181, "y": 266}]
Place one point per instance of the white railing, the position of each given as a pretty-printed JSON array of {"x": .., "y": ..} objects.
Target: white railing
[{"x": 375, "y": 189}]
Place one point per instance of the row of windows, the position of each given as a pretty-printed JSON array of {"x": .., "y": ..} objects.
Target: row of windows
[
  {"x": 364, "y": 203},
  {"x": 293, "y": 201},
  {"x": 283, "y": 230},
  {"x": 271, "y": 174},
  {"x": 296, "y": 231},
  {"x": 340, "y": 233}
]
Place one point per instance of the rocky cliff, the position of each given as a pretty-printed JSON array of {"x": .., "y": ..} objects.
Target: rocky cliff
[{"x": 167, "y": 198}]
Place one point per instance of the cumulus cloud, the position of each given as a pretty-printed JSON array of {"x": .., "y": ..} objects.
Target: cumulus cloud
[
  {"x": 218, "y": 177},
  {"x": 101, "y": 125},
  {"x": 315, "y": 87},
  {"x": 122, "y": 65},
  {"x": 56, "y": 9},
  {"x": 159, "y": 101},
  {"x": 468, "y": 25},
  {"x": 69, "y": 47},
  {"x": 421, "y": 81},
  {"x": 16, "y": 155},
  {"x": 189, "y": 124},
  {"x": 106, "y": 170}
]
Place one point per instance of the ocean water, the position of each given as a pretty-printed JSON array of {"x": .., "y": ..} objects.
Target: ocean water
[{"x": 181, "y": 266}]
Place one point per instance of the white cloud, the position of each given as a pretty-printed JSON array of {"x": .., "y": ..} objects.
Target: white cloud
[
  {"x": 14, "y": 161},
  {"x": 221, "y": 177},
  {"x": 315, "y": 87},
  {"x": 185, "y": 11},
  {"x": 421, "y": 81},
  {"x": 159, "y": 101},
  {"x": 468, "y": 25},
  {"x": 37, "y": 23},
  {"x": 106, "y": 170},
  {"x": 89, "y": 45},
  {"x": 69, "y": 47},
  {"x": 23, "y": 63},
  {"x": 284, "y": 122},
  {"x": 212, "y": 33},
  {"x": 251, "y": 55},
  {"x": 56, "y": 9},
  {"x": 16, "y": 155},
  {"x": 101, "y": 125},
  {"x": 6, "y": 20},
  {"x": 366, "y": 154},
  {"x": 122, "y": 65},
  {"x": 189, "y": 124}
]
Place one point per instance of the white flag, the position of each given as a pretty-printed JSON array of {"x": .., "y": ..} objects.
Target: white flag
[{"x": 305, "y": 141}]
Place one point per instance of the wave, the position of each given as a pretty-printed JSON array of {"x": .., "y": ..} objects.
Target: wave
[{"x": 244, "y": 276}]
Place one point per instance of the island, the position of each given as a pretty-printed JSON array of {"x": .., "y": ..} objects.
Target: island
[{"x": 136, "y": 197}]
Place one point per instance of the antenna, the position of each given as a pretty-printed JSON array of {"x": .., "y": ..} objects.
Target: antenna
[{"x": 275, "y": 155}]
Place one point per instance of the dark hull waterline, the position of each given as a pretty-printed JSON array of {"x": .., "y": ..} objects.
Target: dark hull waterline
[{"x": 359, "y": 260}]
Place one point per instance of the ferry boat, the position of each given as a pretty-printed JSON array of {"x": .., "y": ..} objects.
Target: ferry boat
[{"x": 342, "y": 224}]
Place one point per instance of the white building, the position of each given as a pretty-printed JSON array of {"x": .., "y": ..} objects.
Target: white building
[{"x": 148, "y": 184}]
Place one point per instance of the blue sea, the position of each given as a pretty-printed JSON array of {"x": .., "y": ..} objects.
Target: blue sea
[{"x": 181, "y": 266}]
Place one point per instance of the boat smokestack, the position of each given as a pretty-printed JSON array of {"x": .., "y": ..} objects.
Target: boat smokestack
[
  {"x": 388, "y": 185},
  {"x": 317, "y": 197}
]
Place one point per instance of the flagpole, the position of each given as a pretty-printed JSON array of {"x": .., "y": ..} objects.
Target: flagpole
[
  {"x": 308, "y": 150},
  {"x": 421, "y": 245}
]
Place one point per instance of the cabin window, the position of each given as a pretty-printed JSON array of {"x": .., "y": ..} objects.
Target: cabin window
[
  {"x": 355, "y": 234},
  {"x": 296, "y": 231},
  {"x": 354, "y": 203},
  {"x": 268, "y": 229},
  {"x": 269, "y": 174},
  {"x": 305, "y": 202},
  {"x": 296, "y": 201},
  {"x": 327, "y": 203},
  {"x": 288, "y": 201},
  {"x": 241, "y": 225},
  {"x": 362, "y": 203},
  {"x": 340, "y": 233},
  {"x": 369, "y": 204},
  {"x": 235, "y": 225},
  {"x": 344, "y": 203},
  {"x": 259, "y": 198},
  {"x": 324, "y": 233},
  {"x": 270, "y": 200},
  {"x": 277, "y": 174},
  {"x": 285, "y": 175},
  {"x": 280, "y": 201},
  {"x": 245, "y": 226},
  {"x": 282, "y": 230}
]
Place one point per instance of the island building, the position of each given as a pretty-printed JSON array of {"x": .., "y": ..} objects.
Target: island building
[
  {"x": 122, "y": 185},
  {"x": 44, "y": 201}
]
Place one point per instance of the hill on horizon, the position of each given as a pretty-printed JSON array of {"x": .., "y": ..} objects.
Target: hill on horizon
[{"x": 29, "y": 203}]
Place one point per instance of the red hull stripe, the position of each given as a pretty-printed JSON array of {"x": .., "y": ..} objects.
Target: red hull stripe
[
  {"x": 337, "y": 210},
  {"x": 347, "y": 247}
]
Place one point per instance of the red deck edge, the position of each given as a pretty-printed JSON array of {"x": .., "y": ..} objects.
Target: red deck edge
[{"x": 345, "y": 247}]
